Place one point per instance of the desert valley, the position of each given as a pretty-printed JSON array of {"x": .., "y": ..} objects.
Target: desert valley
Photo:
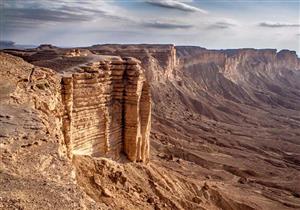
[{"x": 145, "y": 126}]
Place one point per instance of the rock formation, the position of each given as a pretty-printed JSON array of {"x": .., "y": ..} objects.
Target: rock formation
[
  {"x": 107, "y": 110},
  {"x": 225, "y": 130},
  {"x": 34, "y": 172},
  {"x": 162, "y": 57},
  {"x": 76, "y": 53},
  {"x": 107, "y": 104}
]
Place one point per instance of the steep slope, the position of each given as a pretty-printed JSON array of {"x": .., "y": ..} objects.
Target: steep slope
[{"x": 240, "y": 110}]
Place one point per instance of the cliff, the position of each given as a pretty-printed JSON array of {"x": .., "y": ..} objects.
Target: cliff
[
  {"x": 229, "y": 61},
  {"x": 99, "y": 106},
  {"x": 106, "y": 106},
  {"x": 34, "y": 170},
  {"x": 107, "y": 110},
  {"x": 160, "y": 58}
]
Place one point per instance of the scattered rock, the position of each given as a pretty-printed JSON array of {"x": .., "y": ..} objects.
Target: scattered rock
[
  {"x": 136, "y": 194},
  {"x": 206, "y": 195},
  {"x": 208, "y": 177},
  {"x": 296, "y": 194},
  {"x": 118, "y": 176},
  {"x": 243, "y": 180},
  {"x": 156, "y": 207},
  {"x": 205, "y": 186},
  {"x": 97, "y": 179},
  {"x": 150, "y": 200},
  {"x": 197, "y": 200},
  {"x": 179, "y": 160},
  {"x": 106, "y": 192},
  {"x": 162, "y": 155}
]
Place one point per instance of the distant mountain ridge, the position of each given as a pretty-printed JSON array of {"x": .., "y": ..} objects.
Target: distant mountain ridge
[{"x": 12, "y": 45}]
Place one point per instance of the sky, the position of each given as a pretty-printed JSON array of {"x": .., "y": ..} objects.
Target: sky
[{"x": 213, "y": 24}]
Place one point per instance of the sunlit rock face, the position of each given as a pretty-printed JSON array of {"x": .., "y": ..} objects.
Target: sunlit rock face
[
  {"x": 107, "y": 110},
  {"x": 106, "y": 101}
]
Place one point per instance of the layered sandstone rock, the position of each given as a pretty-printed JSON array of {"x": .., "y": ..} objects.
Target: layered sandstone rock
[
  {"x": 34, "y": 172},
  {"x": 161, "y": 59},
  {"x": 107, "y": 110},
  {"x": 106, "y": 101},
  {"x": 76, "y": 53}
]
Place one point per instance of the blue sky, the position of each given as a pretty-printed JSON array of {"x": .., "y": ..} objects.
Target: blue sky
[{"x": 214, "y": 24}]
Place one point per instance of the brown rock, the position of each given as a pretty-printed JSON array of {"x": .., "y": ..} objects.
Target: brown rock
[
  {"x": 97, "y": 179},
  {"x": 243, "y": 180},
  {"x": 197, "y": 200},
  {"x": 136, "y": 194},
  {"x": 94, "y": 114},
  {"x": 107, "y": 193},
  {"x": 150, "y": 200}
]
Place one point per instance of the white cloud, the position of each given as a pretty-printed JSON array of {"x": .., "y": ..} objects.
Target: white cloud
[
  {"x": 75, "y": 22},
  {"x": 159, "y": 24},
  {"x": 175, "y": 4},
  {"x": 278, "y": 25},
  {"x": 224, "y": 23},
  {"x": 60, "y": 11}
]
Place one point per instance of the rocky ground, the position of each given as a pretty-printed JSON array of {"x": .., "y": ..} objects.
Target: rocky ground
[{"x": 225, "y": 133}]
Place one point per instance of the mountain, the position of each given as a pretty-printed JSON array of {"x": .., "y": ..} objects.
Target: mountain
[
  {"x": 13, "y": 45},
  {"x": 224, "y": 134}
]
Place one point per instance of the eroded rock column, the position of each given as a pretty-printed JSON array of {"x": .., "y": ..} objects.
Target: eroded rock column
[
  {"x": 67, "y": 98},
  {"x": 137, "y": 113}
]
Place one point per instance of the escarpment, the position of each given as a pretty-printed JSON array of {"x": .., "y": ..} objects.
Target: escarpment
[
  {"x": 107, "y": 110},
  {"x": 225, "y": 128},
  {"x": 106, "y": 102},
  {"x": 160, "y": 58}
]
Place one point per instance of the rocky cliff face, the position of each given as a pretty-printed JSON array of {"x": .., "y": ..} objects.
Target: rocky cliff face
[
  {"x": 107, "y": 110},
  {"x": 233, "y": 62},
  {"x": 99, "y": 107},
  {"x": 161, "y": 58},
  {"x": 34, "y": 170},
  {"x": 107, "y": 103}
]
